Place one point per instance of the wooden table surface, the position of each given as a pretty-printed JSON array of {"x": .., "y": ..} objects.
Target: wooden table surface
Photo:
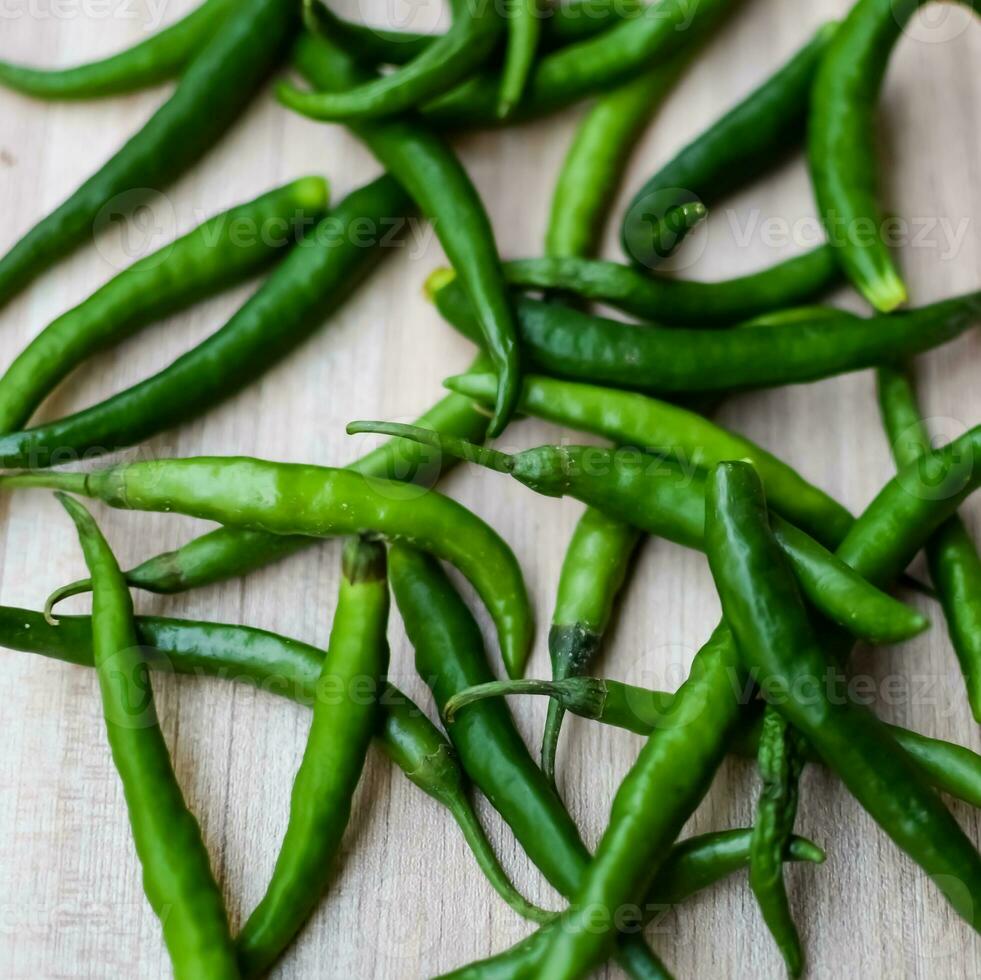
[{"x": 406, "y": 899}]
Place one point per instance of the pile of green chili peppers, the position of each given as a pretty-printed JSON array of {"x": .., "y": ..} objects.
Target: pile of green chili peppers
[{"x": 799, "y": 577}]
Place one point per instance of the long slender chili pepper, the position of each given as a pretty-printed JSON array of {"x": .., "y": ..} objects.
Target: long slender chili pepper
[
  {"x": 216, "y": 86},
  {"x": 223, "y": 250},
  {"x": 568, "y": 343},
  {"x": 313, "y": 279},
  {"x": 345, "y": 715},
  {"x": 432, "y": 175},
  {"x": 667, "y": 430},
  {"x": 446, "y": 61},
  {"x": 157, "y": 59},
  {"x": 745, "y": 141},
  {"x": 692, "y": 865},
  {"x": 661, "y": 498},
  {"x": 683, "y": 302},
  {"x": 177, "y": 875},
  {"x": 316, "y": 501},
  {"x": 949, "y": 767},
  {"x": 290, "y": 669},
  {"x": 955, "y": 567},
  {"x": 524, "y": 28},
  {"x": 450, "y": 657}
]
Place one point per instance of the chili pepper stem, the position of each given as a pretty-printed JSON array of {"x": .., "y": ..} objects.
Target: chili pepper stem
[
  {"x": 80, "y": 587},
  {"x": 887, "y": 292},
  {"x": 497, "y": 689},
  {"x": 493, "y": 459},
  {"x": 67, "y": 482}
]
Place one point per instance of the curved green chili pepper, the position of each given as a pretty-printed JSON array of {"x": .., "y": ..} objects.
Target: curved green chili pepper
[
  {"x": 213, "y": 90},
  {"x": 660, "y": 497},
  {"x": 524, "y": 33},
  {"x": 290, "y": 669},
  {"x": 745, "y": 141},
  {"x": 157, "y": 59},
  {"x": 222, "y": 251},
  {"x": 432, "y": 175},
  {"x": 447, "y": 60},
  {"x": 177, "y": 875},
  {"x": 317, "y": 501}
]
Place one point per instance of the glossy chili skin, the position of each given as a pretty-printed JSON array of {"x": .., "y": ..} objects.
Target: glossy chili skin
[
  {"x": 157, "y": 59},
  {"x": 309, "y": 284},
  {"x": 524, "y": 29},
  {"x": 345, "y": 716},
  {"x": 955, "y": 567},
  {"x": 316, "y": 501},
  {"x": 678, "y": 301},
  {"x": 213, "y": 90},
  {"x": 288, "y": 668},
  {"x": 450, "y": 657},
  {"x": 430, "y": 172},
  {"x": 225, "y": 249},
  {"x": 777, "y": 644},
  {"x": 743, "y": 143},
  {"x": 177, "y": 876},
  {"x": 568, "y": 343}
]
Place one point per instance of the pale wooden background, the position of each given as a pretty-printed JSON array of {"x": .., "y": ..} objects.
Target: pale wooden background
[{"x": 407, "y": 900}]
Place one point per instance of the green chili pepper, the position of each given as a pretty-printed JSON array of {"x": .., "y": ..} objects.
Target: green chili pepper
[
  {"x": 949, "y": 767},
  {"x": 449, "y": 658},
  {"x": 524, "y": 33},
  {"x": 955, "y": 567},
  {"x": 446, "y": 61},
  {"x": 662, "y": 498},
  {"x": 290, "y": 669},
  {"x": 313, "y": 279},
  {"x": 678, "y": 301},
  {"x": 776, "y": 642},
  {"x": 317, "y": 501},
  {"x": 745, "y": 141},
  {"x": 216, "y": 86},
  {"x": 667, "y": 430},
  {"x": 222, "y": 251},
  {"x": 430, "y": 172},
  {"x": 157, "y": 59},
  {"x": 177, "y": 874},
  {"x": 568, "y": 343}
]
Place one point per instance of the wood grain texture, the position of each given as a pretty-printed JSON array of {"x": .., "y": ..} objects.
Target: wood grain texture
[{"x": 406, "y": 900}]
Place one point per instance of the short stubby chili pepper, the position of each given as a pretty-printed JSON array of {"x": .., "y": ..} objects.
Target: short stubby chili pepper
[
  {"x": 157, "y": 59},
  {"x": 224, "y": 250},
  {"x": 288, "y": 668},
  {"x": 309, "y": 284},
  {"x": 450, "y": 657},
  {"x": 662, "y": 498},
  {"x": 345, "y": 716},
  {"x": 568, "y": 343},
  {"x": 777, "y": 644},
  {"x": 425, "y": 165},
  {"x": 177, "y": 876},
  {"x": 213, "y": 90},
  {"x": 317, "y": 501},
  {"x": 742, "y": 144}
]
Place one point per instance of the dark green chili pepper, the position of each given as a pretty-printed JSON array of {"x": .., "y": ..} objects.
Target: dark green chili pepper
[
  {"x": 955, "y": 567},
  {"x": 216, "y": 86},
  {"x": 290, "y": 669},
  {"x": 661, "y": 498},
  {"x": 157, "y": 59},
  {"x": 316, "y": 501},
  {"x": 777, "y": 644},
  {"x": 568, "y": 343},
  {"x": 447, "y": 60},
  {"x": 313, "y": 279},
  {"x": 667, "y": 430},
  {"x": 743, "y": 143},
  {"x": 524, "y": 33},
  {"x": 691, "y": 865},
  {"x": 177, "y": 875},
  {"x": 432, "y": 175},
  {"x": 224, "y": 250},
  {"x": 949, "y": 767},
  {"x": 678, "y": 301},
  {"x": 449, "y": 658},
  {"x": 345, "y": 715}
]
